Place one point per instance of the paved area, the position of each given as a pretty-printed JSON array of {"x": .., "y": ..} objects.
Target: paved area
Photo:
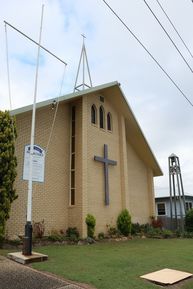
[{"x": 16, "y": 276}]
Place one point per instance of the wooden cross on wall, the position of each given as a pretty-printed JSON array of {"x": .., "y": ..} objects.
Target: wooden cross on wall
[{"x": 106, "y": 163}]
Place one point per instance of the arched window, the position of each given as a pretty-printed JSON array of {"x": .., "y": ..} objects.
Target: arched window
[
  {"x": 109, "y": 121},
  {"x": 102, "y": 117},
  {"x": 93, "y": 114}
]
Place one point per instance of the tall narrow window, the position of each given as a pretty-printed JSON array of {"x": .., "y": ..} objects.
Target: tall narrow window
[
  {"x": 161, "y": 209},
  {"x": 102, "y": 117},
  {"x": 72, "y": 163},
  {"x": 109, "y": 121},
  {"x": 93, "y": 114}
]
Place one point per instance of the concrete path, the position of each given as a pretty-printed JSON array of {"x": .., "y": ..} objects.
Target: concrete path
[{"x": 16, "y": 276}]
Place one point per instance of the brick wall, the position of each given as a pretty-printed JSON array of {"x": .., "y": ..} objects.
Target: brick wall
[
  {"x": 130, "y": 181},
  {"x": 140, "y": 188},
  {"x": 50, "y": 199},
  {"x": 105, "y": 215}
]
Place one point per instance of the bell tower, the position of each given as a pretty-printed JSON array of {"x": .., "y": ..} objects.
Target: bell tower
[{"x": 177, "y": 198}]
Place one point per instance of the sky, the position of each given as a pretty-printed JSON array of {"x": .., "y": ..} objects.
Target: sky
[{"x": 164, "y": 115}]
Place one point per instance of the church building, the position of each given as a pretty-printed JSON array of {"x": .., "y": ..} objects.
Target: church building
[{"x": 97, "y": 161}]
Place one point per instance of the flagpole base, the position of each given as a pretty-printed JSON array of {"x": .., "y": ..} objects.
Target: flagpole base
[{"x": 27, "y": 240}]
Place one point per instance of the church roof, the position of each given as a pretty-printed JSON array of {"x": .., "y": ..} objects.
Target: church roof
[{"x": 113, "y": 92}]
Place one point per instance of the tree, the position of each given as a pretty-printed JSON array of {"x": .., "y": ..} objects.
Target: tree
[{"x": 8, "y": 164}]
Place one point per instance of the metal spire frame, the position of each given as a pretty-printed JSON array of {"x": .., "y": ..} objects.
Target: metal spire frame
[{"x": 84, "y": 61}]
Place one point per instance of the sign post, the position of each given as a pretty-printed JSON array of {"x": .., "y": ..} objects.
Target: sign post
[{"x": 38, "y": 163}]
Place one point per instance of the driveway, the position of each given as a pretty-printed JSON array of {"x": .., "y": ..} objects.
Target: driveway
[{"x": 17, "y": 276}]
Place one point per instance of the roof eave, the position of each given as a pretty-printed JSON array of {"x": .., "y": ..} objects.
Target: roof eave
[{"x": 66, "y": 97}]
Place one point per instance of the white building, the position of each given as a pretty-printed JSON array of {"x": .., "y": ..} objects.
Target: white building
[{"x": 163, "y": 206}]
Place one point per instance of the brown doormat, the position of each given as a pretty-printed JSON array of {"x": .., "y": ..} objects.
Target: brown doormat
[{"x": 166, "y": 276}]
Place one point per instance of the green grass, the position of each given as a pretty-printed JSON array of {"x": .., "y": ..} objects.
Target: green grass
[
  {"x": 4, "y": 252},
  {"x": 118, "y": 265}
]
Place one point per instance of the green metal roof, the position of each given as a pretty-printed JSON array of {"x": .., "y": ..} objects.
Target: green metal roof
[{"x": 64, "y": 98}]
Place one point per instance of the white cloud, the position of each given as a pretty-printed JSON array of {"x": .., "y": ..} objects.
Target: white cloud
[{"x": 164, "y": 115}]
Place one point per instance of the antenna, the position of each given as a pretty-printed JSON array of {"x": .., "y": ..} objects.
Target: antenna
[
  {"x": 29, "y": 38},
  {"x": 84, "y": 61}
]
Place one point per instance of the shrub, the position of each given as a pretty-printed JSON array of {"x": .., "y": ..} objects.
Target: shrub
[
  {"x": 189, "y": 221},
  {"x": 91, "y": 222},
  {"x": 167, "y": 234},
  {"x": 55, "y": 236},
  {"x": 38, "y": 229},
  {"x": 154, "y": 233},
  {"x": 101, "y": 236},
  {"x": 72, "y": 234},
  {"x": 1, "y": 239},
  {"x": 188, "y": 235},
  {"x": 145, "y": 228},
  {"x": 178, "y": 233},
  {"x": 112, "y": 231},
  {"x": 124, "y": 222},
  {"x": 156, "y": 223},
  {"x": 135, "y": 228}
]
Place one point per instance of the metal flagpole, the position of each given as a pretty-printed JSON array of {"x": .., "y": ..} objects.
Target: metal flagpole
[{"x": 27, "y": 248}]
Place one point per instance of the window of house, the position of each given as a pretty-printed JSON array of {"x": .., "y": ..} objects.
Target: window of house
[
  {"x": 109, "y": 121},
  {"x": 188, "y": 206},
  {"x": 102, "y": 117},
  {"x": 72, "y": 163},
  {"x": 161, "y": 209},
  {"x": 93, "y": 114}
]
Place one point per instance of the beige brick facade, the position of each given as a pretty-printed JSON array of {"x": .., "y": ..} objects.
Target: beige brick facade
[{"x": 130, "y": 181}]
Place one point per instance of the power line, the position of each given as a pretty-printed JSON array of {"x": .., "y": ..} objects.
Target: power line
[
  {"x": 175, "y": 27},
  {"x": 148, "y": 52},
  {"x": 167, "y": 35}
]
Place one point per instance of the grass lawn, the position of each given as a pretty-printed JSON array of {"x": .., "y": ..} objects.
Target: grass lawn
[
  {"x": 4, "y": 252},
  {"x": 118, "y": 265}
]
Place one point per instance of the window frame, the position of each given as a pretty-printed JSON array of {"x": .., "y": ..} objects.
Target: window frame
[
  {"x": 102, "y": 117},
  {"x": 72, "y": 194},
  {"x": 93, "y": 112},
  {"x": 109, "y": 122},
  {"x": 188, "y": 205},
  {"x": 161, "y": 203}
]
